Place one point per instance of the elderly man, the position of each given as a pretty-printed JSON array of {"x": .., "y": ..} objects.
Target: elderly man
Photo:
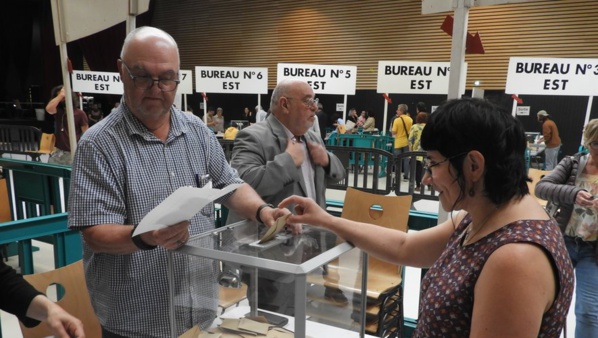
[
  {"x": 126, "y": 166},
  {"x": 283, "y": 157}
]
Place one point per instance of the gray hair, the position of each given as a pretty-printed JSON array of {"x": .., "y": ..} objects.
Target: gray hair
[{"x": 403, "y": 107}]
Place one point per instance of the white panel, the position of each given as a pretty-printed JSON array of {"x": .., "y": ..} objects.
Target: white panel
[
  {"x": 552, "y": 76},
  {"x": 440, "y": 6},
  {"x": 323, "y": 79},
  {"x": 75, "y": 19},
  {"x": 231, "y": 80}
]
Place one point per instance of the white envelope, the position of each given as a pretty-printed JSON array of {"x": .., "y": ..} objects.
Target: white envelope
[{"x": 181, "y": 205}]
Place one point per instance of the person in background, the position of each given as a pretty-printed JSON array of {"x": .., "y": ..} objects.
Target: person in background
[
  {"x": 370, "y": 122},
  {"x": 260, "y": 114},
  {"x": 218, "y": 121},
  {"x": 420, "y": 107},
  {"x": 351, "y": 122},
  {"x": 498, "y": 267},
  {"x": 415, "y": 145},
  {"x": 29, "y": 305},
  {"x": 282, "y": 157},
  {"x": 127, "y": 165},
  {"x": 322, "y": 120},
  {"x": 573, "y": 187},
  {"x": 248, "y": 115},
  {"x": 116, "y": 104},
  {"x": 210, "y": 122},
  {"x": 95, "y": 115},
  {"x": 57, "y": 107},
  {"x": 400, "y": 130},
  {"x": 550, "y": 137}
]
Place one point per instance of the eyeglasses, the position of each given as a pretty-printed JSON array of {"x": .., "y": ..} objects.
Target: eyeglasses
[
  {"x": 146, "y": 82},
  {"x": 428, "y": 165},
  {"x": 593, "y": 144},
  {"x": 308, "y": 102}
]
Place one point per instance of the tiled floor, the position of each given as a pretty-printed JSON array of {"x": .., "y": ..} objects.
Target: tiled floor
[{"x": 44, "y": 261}]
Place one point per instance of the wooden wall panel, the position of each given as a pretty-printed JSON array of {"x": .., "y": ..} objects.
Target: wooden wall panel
[{"x": 262, "y": 33}]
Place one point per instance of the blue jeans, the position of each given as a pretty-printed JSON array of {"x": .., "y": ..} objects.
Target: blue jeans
[
  {"x": 551, "y": 157},
  {"x": 583, "y": 256}
]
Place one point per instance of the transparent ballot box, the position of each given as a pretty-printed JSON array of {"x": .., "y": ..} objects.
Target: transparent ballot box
[{"x": 231, "y": 254}]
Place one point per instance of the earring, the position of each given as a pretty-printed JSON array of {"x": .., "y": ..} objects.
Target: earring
[{"x": 471, "y": 192}]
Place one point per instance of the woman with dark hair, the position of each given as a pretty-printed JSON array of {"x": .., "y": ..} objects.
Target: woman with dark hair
[{"x": 498, "y": 267}]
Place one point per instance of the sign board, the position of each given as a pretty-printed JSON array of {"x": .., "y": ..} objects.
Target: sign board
[
  {"x": 97, "y": 82},
  {"x": 323, "y": 79},
  {"x": 340, "y": 107},
  {"x": 231, "y": 80},
  {"x": 414, "y": 77},
  {"x": 552, "y": 76},
  {"x": 523, "y": 110},
  {"x": 186, "y": 85}
]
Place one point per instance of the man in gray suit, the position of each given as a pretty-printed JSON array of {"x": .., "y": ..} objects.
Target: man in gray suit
[{"x": 283, "y": 157}]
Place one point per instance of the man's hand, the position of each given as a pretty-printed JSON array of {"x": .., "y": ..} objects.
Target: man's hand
[
  {"x": 318, "y": 154},
  {"x": 270, "y": 215},
  {"x": 295, "y": 149},
  {"x": 171, "y": 237}
]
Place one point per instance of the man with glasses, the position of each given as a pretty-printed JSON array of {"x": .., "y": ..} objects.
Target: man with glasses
[
  {"x": 283, "y": 157},
  {"x": 126, "y": 166}
]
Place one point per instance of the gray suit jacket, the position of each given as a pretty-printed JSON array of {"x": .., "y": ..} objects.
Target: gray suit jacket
[{"x": 260, "y": 158}]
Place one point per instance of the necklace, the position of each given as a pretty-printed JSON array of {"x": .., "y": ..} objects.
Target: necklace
[{"x": 469, "y": 234}]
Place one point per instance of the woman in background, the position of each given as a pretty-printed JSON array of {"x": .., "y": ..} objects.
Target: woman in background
[
  {"x": 573, "y": 186},
  {"x": 415, "y": 145}
]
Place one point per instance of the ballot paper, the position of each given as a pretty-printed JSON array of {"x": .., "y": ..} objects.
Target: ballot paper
[{"x": 181, "y": 205}]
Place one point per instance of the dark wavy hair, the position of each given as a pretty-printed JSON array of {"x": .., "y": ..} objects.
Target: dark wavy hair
[{"x": 459, "y": 126}]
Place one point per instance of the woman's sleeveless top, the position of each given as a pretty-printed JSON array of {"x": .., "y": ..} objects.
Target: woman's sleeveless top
[{"x": 447, "y": 291}]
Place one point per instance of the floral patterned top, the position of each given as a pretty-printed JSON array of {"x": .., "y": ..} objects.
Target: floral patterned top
[
  {"x": 584, "y": 221},
  {"x": 447, "y": 292}
]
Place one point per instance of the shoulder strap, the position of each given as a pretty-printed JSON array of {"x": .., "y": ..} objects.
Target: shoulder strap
[{"x": 404, "y": 126}]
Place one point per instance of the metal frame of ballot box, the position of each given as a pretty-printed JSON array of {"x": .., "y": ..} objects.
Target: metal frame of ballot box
[{"x": 236, "y": 244}]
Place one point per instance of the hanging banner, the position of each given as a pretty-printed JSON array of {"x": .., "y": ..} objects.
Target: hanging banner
[
  {"x": 323, "y": 79},
  {"x": 552, "y": 76},
  {"x": 411, "y": 77},
  {"x": 97, "y": 82},
  {"x": 232, "y": 80},
  {"x": 109, "y": 82}
]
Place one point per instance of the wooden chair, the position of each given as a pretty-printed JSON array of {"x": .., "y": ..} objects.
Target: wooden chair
[
  {"x": 231, "y": 296},
  {"x": 75, "y": 300},
  {"x": 536, "y": 175},
  {"x": 384, "y": 284}
]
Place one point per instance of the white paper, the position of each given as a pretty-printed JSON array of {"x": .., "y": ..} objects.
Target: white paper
[{"x": 181, "y": 205}]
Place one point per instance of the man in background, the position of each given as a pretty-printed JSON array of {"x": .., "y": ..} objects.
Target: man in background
[
  {"x": 283, "y": 157},
  {"x": 550, "y": 137},
  {"x": 260, "y": 114},
  {"x": 57, "y": 107}
]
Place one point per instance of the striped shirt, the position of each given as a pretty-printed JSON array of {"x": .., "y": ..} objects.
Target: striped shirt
[{"x": 122, "y": 171}]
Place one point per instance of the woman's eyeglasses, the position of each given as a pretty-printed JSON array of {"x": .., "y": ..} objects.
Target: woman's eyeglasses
[{"x": 429, "y": 164}]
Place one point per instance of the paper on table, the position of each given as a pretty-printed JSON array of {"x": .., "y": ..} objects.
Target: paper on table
[{"x": 181, "y": 205}]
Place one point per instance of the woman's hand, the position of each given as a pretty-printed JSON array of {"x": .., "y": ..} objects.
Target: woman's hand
[
  {"x": 585, "y": 199},
  {"x": 307, "y": 211}
]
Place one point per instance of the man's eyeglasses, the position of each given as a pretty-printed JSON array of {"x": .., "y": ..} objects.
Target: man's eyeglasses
[
  {"x": 146, "y": 82},
  {"x": 308, "y": 102},
  {"x": 428, "y": 164},
  {"x": 593, "y": 144}
]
